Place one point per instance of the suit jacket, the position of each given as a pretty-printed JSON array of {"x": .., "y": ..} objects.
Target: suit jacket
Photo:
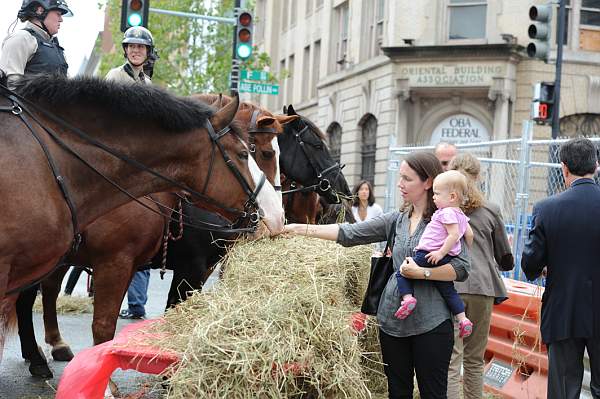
[{"x": 566, "y": 238}]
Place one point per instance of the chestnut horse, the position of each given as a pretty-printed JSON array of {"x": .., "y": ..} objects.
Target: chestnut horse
[
  {"x": 304, "y": 158},
  {"x": 42, "y": 137},
  {"x": 116, "y": 244}
]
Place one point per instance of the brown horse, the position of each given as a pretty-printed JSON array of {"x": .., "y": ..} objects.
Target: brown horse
[
  {"x": 40, "y": 217},
  {"x": 117, "y": 243},
  {"x": 301, "y": 206}
]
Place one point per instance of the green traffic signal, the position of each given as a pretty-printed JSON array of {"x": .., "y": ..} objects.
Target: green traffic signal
[
  {"x": 134, "y": 19},
  {"x": 243, "y": 51}
]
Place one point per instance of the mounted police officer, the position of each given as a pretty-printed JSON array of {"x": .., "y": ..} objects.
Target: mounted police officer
[
  {"x": 35, "y": 49},
  {"x": 138, "y": 47},
  {"x": 28, "y": 51}
]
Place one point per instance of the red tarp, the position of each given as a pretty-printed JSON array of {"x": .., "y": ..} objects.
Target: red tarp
[{"x": 87, "y": 375}]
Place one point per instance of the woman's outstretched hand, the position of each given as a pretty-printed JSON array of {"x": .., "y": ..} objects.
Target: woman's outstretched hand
[
  {"x": 293, "y": 228},
  {"x": 410, "y": 269}
]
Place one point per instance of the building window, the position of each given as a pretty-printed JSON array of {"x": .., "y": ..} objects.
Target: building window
[
  {"x": 373, "y": 17},
  {"x": 261, "y": 13},
  {"x": 305, "y": 73},
  {"x": 334, "y": 141},
  {"x": 294, "y": 13},
  {"x": 589, "y": 25},
  {"x": 290, "y": 79},
  {"x": 369, "y": 147},
  {"x": 309, "y": 7},
  {"x": 315, "y": 68},
  {"x": 467, "y": 19},
  {"x": 285, "y": 14},
  {"x": 590, "y": 13},
  {"x": 340, "y": 30},
  {"x": 282, "y": 94}
]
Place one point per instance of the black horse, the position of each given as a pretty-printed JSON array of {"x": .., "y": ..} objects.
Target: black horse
[{"x": 304, "y": 158}]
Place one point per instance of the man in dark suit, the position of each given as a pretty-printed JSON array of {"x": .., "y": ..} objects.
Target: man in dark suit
[{"x": 566, "y": 239}]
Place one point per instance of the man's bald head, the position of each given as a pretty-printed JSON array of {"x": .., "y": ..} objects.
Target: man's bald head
[{"x": 444, "y": 152}]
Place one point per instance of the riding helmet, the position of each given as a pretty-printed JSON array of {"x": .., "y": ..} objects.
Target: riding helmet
[{"x": 29, "y": 6}]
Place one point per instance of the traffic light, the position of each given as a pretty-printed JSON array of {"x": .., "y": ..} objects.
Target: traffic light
[
  {"x": 134, "y": 13},
  {"x": 244, "y": 29},
  {"x": 540, "y": 31},
  {"x": 543, "y": 103}
]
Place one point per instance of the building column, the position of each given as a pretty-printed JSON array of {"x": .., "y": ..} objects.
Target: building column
[
  {"x": 402, "y": 94},
  {"x": 397, "y": 138}
]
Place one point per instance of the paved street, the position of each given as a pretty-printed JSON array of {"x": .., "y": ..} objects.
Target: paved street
[{"x": 16, "y": 382}]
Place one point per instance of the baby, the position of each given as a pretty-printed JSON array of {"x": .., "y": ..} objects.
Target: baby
[{"x": 439, "y": 243}]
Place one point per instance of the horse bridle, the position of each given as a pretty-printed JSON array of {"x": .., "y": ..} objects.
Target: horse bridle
[
  {"x": 254, "y": 130},
  {"x": 323, "y": 185},
  {"x": 251, "y": 209}
]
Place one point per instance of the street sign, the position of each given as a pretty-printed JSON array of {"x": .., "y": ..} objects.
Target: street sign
[
  {"x": 254, "y": 75},
  {"x": 258, "y": 88}
]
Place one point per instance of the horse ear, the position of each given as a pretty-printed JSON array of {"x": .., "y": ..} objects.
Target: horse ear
[
  {"x": 225, "y": 115},
  {"x": 220, "y": 100},
  {"x": 282, "y": 119},
  {"x": 291, "y": 110},
  {"x": 284, "y": 109},
  {"x": 265, "y": 120}
]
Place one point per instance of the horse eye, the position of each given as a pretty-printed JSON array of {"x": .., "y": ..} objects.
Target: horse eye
[
  {"x": 268, "y": 154},
  {"x": 243, "y": 155}
]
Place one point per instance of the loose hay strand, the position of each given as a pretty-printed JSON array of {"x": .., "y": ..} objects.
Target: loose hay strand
[{"x": 277, "y": 325}]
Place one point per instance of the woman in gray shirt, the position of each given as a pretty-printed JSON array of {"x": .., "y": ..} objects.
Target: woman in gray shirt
[{"x": 421, "y": 343}]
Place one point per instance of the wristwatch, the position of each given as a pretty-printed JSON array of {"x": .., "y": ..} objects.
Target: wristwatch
[{"x": 427, "y": 273}]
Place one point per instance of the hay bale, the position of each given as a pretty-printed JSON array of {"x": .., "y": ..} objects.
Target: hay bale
[
  {"x": 68, "y": 304},
  {"x": 276, "y": 326}
]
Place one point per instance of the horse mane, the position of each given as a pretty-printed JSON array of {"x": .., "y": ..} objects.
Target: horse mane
[
  {"x": 214, "y": 99},
  {"x": 221, "y": 100},
  {"x": 314, "y": 128},
  {"x": 130, "y": 101}
]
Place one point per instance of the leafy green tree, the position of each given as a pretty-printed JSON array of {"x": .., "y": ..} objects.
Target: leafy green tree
[{"x": 195, "y": 55}]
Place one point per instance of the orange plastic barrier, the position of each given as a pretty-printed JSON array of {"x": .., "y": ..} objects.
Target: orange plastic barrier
[
  {"x": 516, "y": 360},
  {"x": 87, "y": 375}
]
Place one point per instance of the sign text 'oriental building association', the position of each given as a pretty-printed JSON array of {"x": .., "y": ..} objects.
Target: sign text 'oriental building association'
[{"x": 451, "y": 75}]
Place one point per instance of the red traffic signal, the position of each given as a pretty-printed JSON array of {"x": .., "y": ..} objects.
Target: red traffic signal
[
  {"x": 136, "y": 5},
  {"x": 245, "y": 19}
]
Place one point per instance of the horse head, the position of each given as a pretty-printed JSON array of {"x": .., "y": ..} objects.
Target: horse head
[
  {"x": 259, "y": 129},
  {"x": 305, "y": 158},
  {"x": 268, "y": 201}
]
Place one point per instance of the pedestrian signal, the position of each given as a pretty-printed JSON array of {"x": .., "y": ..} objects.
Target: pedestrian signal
[{"x": 543, "y": 103}]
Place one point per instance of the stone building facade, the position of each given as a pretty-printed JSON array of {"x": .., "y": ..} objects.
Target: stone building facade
[{"x": 375, "y": 73}]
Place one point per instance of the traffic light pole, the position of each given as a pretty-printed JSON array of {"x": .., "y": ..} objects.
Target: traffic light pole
[
  {"x": 558, "y": 73},
  {"x": 235, "y": 63}
]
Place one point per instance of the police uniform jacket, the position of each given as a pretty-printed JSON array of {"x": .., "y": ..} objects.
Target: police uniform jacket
[
  {"x": 31, "y": 50},
  {"x": 126, "y": 74}
]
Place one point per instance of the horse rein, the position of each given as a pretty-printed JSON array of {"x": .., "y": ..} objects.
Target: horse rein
[{"x": 18, "y": 107}]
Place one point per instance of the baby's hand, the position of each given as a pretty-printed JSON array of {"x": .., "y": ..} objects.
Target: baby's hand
[{"x": 434, "y": 257}]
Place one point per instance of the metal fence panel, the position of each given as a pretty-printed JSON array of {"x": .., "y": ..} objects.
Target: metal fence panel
[{"x": 515, "y": 174}]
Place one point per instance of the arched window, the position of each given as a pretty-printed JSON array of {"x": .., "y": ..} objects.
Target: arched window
[
  {"x": 334, "y": 140},
  {"x": 578, "y": 125},
  {"x": 369, "y": 147}
]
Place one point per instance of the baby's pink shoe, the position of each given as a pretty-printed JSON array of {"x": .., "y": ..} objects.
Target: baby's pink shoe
[
  {"x": 465, "y": 328},
  {"x": 406, "y": 308}
]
